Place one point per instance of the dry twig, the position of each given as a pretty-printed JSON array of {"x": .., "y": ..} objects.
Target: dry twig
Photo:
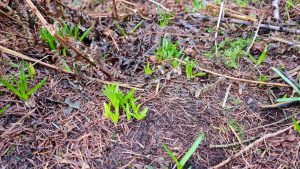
[
  {"x": 238, "y": 79},
  {"x": 251, "y": 146},
  {"x": 24, "y": 57}
]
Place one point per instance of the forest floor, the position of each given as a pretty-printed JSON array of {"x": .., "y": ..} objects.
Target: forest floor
[{"x": 62, "y": 124}]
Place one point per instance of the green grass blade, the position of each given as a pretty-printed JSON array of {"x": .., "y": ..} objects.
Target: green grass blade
[
  {"x": 3, "y": 109},
  {"x": 262, "y": 56},
  {"x": 23, "y": 80},
  {"x": 10, "y": 87},
  {"x": 86, "y": 33},
  {"x": 293, "y": 99},
  {"x": 296, "y": 125},
  {"x": 136, "y": 26},
  {"x": 191, "y": 151},
  {"x": 172, "y": 156},
  {"x": 76, "y": 31},
  {"x": 35, "y": 88},
  {"x": 287, "y": 80}
]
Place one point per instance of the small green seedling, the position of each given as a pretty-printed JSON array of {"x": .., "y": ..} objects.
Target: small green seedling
[
  {"x": 136, "y": 27},
  {"x": 241, "y": 3},
  {"x": 123, "y": 32},
  {"x": 31, "y": 71},
  {"x": 164, "y": 17},
  {"x": 262, "y": 78},
  {"x": 296, "y": 125},
  {"x": 189, "y": 66},
  {"x": 262, "y": 56},
  {"x": 294, "y": 86},
  {"x": 64, "y": 30},
  {"x": 167, "y": 50},
  {"x": 120, "y": 101},
  {"x": 180, "y": 164},
  {"x": 20, "y": 87},
  {"x": 3, "y": 109},
  {"x": 175, "y": 64},
  {"x": 147, "y": 69},
  {"x": 199, "y": 4},
  {"x": 237, "y": 128},
  {"x": 232, "y": 50}
]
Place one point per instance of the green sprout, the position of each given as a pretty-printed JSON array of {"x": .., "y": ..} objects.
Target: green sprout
[
  {"x": 199, "y": 4},
  {"x": 120, "y": 101},
  {"x": 296, "y": 125},
  {"x": 64, "y": 30},
  {"x": 261, "y": 58},
  {"x": 20, "y": 86},
  {"x": 136, "y": 27},
  {"x": 231, "y": 50},
  {"x": 189, "y": 66},
  {"x": 164, "y": 17},
  {"x": 147, "y": 69},
  {"x": 180, "y": 164},
  {"x": 167, "y": 50},
  {"x": 123, "y": 32}
]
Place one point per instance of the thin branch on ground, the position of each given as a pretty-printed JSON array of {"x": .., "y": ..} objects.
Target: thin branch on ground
[
  {"x": 255, "y": 36},
  {"x": 24, "y": 57},
  {"x": 160, "y": 5},
  {"x": 238, "y": 79},
  {"x": 292, "y": 43},
  {"x": 251, "y": 146},
  {"x": 265, "y": 26},
  {"x": 232, "y": 144},
  {"x": 218, "y": 25},
  {"x": 272, "y": 124}
]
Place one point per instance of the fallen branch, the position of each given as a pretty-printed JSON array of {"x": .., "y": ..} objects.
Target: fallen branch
[
  {"x": 160, "y": 5},
  {"x": 238, "y": 79},
  {"x": 238, "y": 21},
  {"x": 292, "y": 43},
  {"x": 24, "y": 57},
  {"x": 250, "y": 146},
  {"x": 232, "y": 144}
]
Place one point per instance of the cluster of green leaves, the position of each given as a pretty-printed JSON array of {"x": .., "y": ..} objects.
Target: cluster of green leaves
[
  {"x": 199, "y": 4},
  {"x": 20, "y": 86},
  {"x": 292, "y": 84},
  {"x": 164, "y": 17},
  {"x": 64, "y": 30},
  {"x": 120, "y": 101},
  {"x": 168, "y": 50},
  {"x": 230, "y": 50},
  {"x": 189, "y": 66},
  {"x": 180, "y": 164}
]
